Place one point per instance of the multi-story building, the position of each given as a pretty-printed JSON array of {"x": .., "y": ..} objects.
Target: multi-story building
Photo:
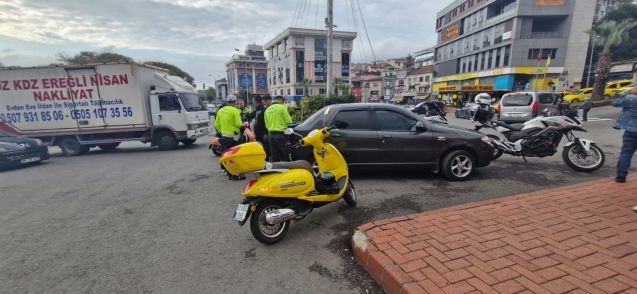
[
  {"x": 222, "y": 88},
  {"x": 296, "y": 54},
  {"x": 367, "y": 87},
  {"x": 398, "y": 63},
  {"x": 419, "y": 81},
  {"x": 248, "y": 71},
  {"x": 494, "y": 46},
  {"x": 424, "y": 57}
]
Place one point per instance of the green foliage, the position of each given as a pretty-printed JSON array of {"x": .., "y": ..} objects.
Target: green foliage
[
  {"x": 316, "y": 102},
  {"x": 410, "y": 61},
  {"x": 173, "y": 70},
  {"x": 626, "y": 51},
  {"x": 88, "y": 57},
  {"x": 305, "y": 83},
  {"x": 210, "y": 94},
  {"x": 243, "y": 94}
]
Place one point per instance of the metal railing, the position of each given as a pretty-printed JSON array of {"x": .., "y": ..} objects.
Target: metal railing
[
  {"x": 508, "y": 11},
  {"x": 546, "y": 35}
]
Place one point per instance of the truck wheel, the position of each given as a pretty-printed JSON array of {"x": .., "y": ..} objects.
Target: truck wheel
[
  {"x": 108, "y": 146},
  {"x": 166, "y": 140},
  {"x": 70, "y": 146},
  {"x": 188, "y": 142},
  {"x": 85, "y": 149}
]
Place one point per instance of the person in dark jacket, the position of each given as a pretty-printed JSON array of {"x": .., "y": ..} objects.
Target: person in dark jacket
[
  {"x": 260, "y": 132},
  {"x": 586, "y": 106}
]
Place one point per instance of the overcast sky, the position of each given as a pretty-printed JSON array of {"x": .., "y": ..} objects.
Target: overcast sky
[{"x": 199, "y": 35}]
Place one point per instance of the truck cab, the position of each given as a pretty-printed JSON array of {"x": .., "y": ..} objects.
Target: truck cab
[{"x": 177, "y": 113}]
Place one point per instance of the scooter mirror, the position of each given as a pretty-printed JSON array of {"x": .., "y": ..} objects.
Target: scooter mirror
[{"x": 288, "y": 131}]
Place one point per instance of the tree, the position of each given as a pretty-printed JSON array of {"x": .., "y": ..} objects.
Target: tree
[
  {"x": 173, "y": 70},
  {"x": 88, "y": 57},
  {"x": 305, "y": 83},
  {"x": 344, "y": 88},
  {"x": 210, "y": 94},
  {"x": 243, "y": 94},
  {"x": 337, "y": 83},
  {"x": 410, "y": 61},
  {"x": 625, "y": 51},
  {"x": 607, "y": 34}
]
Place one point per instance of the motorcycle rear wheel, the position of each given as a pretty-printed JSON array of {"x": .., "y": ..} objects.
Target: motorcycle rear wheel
[
  {"x": 497, "y": 152},
  {"x": 268, "y": 234},
  {"x": 574, "y": 149}
]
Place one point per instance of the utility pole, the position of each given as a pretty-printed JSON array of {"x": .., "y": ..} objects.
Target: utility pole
[
  {"x": 330, "y": 40},
  {"x": 590, "y": 63}
]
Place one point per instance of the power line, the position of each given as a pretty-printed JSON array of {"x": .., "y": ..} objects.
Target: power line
[
  {"x": 301, "y": 11},
  {"x": 307, "y": 15},
  {"x": 349, "y": 28},
  {"x": 356, "y": 28},
  {"x": 316, "y": 16},
  {"x": 297, "y": 7},
  {"x": 362, "y": 18}
]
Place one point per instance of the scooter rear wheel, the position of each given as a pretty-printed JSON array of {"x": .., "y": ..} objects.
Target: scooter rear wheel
[
  {"x": 268, "y": 234},
  {"x": 350, "y": 195}
]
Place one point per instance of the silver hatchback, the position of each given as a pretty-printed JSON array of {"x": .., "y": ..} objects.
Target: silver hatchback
[{"x": 523, "y": 106}]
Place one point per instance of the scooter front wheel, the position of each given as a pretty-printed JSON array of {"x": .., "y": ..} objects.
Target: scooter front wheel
[
  {"x": 265, "y": 233},
  {"x": 350, "y": 195}
]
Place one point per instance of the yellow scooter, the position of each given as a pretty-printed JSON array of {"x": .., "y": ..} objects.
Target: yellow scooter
[{"x": 285, "y": 191}]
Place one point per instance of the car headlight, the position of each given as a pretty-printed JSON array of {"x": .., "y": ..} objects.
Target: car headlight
[
  {"x": 486, "y": 139},
  {"x": 192, "y": 127},
  {"x": 38, "y": 141}
]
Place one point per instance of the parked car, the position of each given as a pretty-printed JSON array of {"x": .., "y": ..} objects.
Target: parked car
[
  {"x": 376, "y": 134},
  {"x": 212, "y": 110},
  {"x": 523, "y": 106},
  {"x": 17, "y": 150},
  {"x": 610, "y": 92},
  {"x": 579, "y": 95},
  {"x": 624, "y": 90},
  {"x": 466, "y": 111},
  {"x": 423, "y": 108}
]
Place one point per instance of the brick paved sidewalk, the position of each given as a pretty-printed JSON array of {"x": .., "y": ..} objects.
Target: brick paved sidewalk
[{"x": 576, "y": 239}]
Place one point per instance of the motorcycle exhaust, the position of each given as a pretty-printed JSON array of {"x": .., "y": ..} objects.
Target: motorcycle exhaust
[{"x": 279, "y": 216}]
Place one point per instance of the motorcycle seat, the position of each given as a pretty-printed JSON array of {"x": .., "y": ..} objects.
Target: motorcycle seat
[
  {"x": 510, "y": 127},
  {"x": 298, "y": 164}
]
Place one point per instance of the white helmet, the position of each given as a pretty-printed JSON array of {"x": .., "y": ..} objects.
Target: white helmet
[{"x": 483, "y": 98}]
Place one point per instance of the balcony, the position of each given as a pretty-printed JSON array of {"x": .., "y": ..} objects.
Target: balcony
[
  {"x": 507, "y": 11},
  {"x": 546, "y": 35}
]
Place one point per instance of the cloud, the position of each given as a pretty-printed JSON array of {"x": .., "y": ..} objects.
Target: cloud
[{"x": 200, "y": 35}]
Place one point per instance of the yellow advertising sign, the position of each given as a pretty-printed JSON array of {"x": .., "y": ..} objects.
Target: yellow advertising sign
[
  {"x": 448, "y": 89},
  {"x": 549, "y": 2},
  {"x": 530, "y": 70},
  {"x": 481, "y": 88}
]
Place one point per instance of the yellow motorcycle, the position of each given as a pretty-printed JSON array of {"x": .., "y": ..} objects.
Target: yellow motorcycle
[{"x": 285, "y": 191}]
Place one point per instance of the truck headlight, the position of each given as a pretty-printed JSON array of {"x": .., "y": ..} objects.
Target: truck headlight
[
  {"x": 192, "y": 127},
  {"x": 486, "y": 139}
]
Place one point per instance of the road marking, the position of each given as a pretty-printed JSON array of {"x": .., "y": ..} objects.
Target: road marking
[{"x": 598, "y": 119}]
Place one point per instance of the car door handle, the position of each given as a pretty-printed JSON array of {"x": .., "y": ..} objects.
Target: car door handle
[
  {"x": 159, "y": 116},
  {"x": 336, "y": 135},
  {"x": 387, "y": 136}
]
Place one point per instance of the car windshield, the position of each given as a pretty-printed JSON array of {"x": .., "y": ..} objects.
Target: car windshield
[
  {"x": 517, "y": 100},
  {"x": 6, "y": 134},
  {"x": 191, "y": 102},
  {"x": 310, "y": 120}
]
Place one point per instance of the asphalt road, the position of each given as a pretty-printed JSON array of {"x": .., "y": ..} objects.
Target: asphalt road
[{"x": 137, "y": 219}]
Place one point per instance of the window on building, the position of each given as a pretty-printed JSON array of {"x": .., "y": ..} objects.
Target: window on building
[
  {"x": 482, "y": 60},
  {"x": 476, "y": 46},
  {"x": 475, "y": 62},
  {"x": 490, "y": 59},
  {"x": 401, "y": 82},
  {"x": 498, "y": 34},
  {"x": 299, "y": 40},
  {"x": 469, "y": 67},
  {"x": 427, "y": 79},
  {"x": 486, "y": 39},
  {"x": 533, "y": 53},
  {"x": 458, "y": 47},
  {"x": 420, "y": 79},
  {"x": 458, "y": 65},
  {"x": 466, "y": 45},
  {"x": 507, "y": 55},
  {"x": 464, "y": 65},
  {"x": 497, "y": 57},
  {"x": 322, "y": 91},
  {"x": 299, "y": 91},
  {"x": 375, "y": 85}
]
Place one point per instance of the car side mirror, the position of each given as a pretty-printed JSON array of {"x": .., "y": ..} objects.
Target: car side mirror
[
  {"x": 288, "y": 131},
  {"x": 420, "y": 127}
]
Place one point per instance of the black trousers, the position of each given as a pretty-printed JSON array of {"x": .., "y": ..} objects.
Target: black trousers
[
  {"x": 265, "y": 143},
  {"x": 586, "y": 114},
  {"x": 227, "y": 143},
  {"x": 280, "y": 147}
]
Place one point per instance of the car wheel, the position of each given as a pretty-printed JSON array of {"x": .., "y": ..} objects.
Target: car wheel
[
  {"x": 457, "y": 116},
  {"x": 606, "y": 97},
  {"x": 458, "y": 165},
  {"x": 467, "y": 116},
  {"x": 575, "y": 100}
]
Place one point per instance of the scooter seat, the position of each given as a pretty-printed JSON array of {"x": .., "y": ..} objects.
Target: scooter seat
[
  {"x": 298, "y": 164},
  {"x": 510, "y": 127}
]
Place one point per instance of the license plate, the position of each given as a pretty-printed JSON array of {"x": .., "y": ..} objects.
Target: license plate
[
  {"x": 515, "y": 115},
  {"x": 240, "y": 213},
  {"x": 27, "y": 160},
  {"x": 204, "y": 131}
]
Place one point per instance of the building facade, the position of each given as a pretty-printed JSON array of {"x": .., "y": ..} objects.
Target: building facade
[
  {"x": 297, "y": 54},
  {"x": 419, "y": 81},
  {"x": 367, "y": 87},
  {"x": 248, "y": 71},
  {"x": 424, "y": 57},
  {"x": 504, "y": 45},
  {"x": 222, "y": 88}
]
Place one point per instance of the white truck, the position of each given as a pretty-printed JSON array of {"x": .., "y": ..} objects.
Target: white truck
[{"x": 101, "y": 105}]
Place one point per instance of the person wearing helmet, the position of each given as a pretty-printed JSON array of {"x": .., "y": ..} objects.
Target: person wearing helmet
[{"x": 483, "y": 98}]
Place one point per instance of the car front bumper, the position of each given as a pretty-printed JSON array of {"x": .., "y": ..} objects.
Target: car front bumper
[
  {"x": 483, "y": 152},
  {"x": 15, "y": 158}
]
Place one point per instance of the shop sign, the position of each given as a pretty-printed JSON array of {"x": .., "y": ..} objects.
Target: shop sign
[
  {"x": 450, "y": 33},
  {"x": 448, "y": 88},
  {"x": 529, "y": 70},
  {"x": 319, "y": 56},
  {"x": 507, "y": 35},
  {"x": 476, "y": 88},
  {"x": 421, "y": 94},
  {"x": 549, "y": 2}
]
